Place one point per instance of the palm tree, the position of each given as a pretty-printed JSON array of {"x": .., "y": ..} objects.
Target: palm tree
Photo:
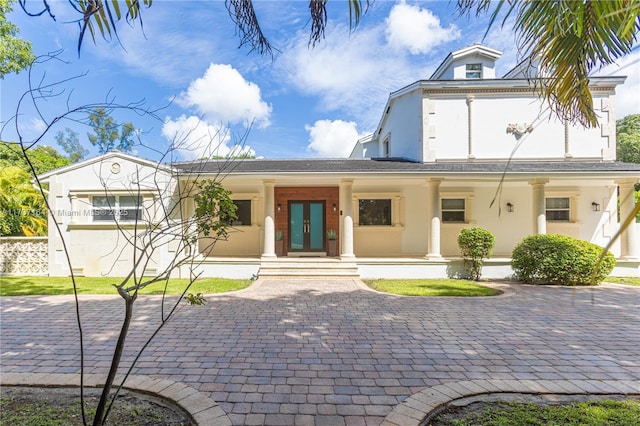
[{"x": 22, "y": 208}]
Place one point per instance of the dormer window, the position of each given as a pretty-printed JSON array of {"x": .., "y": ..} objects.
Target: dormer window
[{"x": 474, "y": 71}]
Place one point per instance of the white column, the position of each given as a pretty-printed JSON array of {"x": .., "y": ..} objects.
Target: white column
[
  {"x": 74, "y": 213},
  {"x": 269, "y": 249},
  {"x": 346, "y": 202},
  {"x": 539, "y": 208},
  {"x": 629, "y": 238},
  {"x": 470, "y": 99},
  {"x": 433, "y": 197}
]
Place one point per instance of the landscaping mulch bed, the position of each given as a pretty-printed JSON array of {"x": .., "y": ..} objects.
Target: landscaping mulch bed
[{"x": 49, "y": 406}]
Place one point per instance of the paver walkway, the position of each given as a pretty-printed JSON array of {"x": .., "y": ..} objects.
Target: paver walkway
[{"x": 331, "y": 352}]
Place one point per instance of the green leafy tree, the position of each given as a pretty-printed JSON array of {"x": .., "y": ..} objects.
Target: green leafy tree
[
  {"x": 22, "y": 208},
  {"x": 69, "y": 142},
  {"x": 628, "y": 139},
  {"x": 108, "y": 134},
  {"x": 44, "y": 158},
  {"x": 15, "y": 53}
]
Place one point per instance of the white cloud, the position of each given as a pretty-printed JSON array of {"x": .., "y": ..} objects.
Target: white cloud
[
  {"x": 417, "y": 29},
  {"x": 332, "y": 139},
  {"x": 222, "y": 94},
  {"x": 352, "y": 73},
  {"x": 194, "y": 138}
]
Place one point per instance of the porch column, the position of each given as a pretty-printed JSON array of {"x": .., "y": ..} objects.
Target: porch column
[
  {"x": 190, "y": 226},
  {"x": 539, "y": 208},
  {"x": 346, "y": 202},
  {"x": 629, "y": 244},
  {"x": 269, "y": 249},
  {"x": 433, "y": 209}
]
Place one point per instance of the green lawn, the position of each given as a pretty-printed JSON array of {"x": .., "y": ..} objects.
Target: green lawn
[
  {"x": 32, "y": 286},
  {"x": 432, "y": 287},
  {"x": 624, "y": 280},
  {"x": 594, "y": 413}
]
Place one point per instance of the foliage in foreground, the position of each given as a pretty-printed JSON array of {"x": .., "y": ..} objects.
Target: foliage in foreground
[
  {"x": 431, "y": 287},
  {"x": 22, "y": 208},
  {"x": 559, "y": 259},
  {"x": 592, "y": 413},
  {"x": 475, "y": 244}
]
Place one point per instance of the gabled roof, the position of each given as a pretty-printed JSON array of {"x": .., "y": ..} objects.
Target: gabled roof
[
  {"x": 102, "y": 158},
  {"x": 475, "y": 50}
]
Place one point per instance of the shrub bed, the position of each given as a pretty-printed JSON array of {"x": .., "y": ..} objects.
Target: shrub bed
[{"x": 559, "y": 259}]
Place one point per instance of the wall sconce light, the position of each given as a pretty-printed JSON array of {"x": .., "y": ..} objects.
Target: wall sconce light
[
  {"x": 279, "y": 208},
  {"x": 510, "y": 207},
  {"x": 335, "y": 208},
  {"x": 595, "y": 206}
]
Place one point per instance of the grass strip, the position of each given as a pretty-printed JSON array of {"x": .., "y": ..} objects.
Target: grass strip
[
  {"x": 51, "y": 286},
  {"x": 432, "y": 287}
]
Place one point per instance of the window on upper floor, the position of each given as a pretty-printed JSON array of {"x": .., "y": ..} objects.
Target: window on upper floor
[
  {"x": 558, "y": 209},
  {"x": 122, "y": 208},
  {"x": 474, "y": 71},
  {"x": 374, "y": 212},
  {"x": 453, "y": 210},
  {"x": 386, "y": 153}
]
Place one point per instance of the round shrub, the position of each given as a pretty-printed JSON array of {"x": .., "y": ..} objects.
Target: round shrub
[
  {"x": 475, "y": 244},
  {"x": 559, "y": 259}
]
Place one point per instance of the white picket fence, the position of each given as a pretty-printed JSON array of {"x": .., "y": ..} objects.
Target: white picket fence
[{"x": 24, "y": 256}]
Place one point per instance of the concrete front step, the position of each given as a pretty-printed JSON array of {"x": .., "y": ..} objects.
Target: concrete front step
[{"x": 305, "y": 267}]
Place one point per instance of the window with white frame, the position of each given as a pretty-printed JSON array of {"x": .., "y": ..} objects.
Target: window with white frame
[
  {"x": 386, "y": 153},
  {"x": 122, "y": 208},
  {"x": 453, "y": 210},
  {"x": 374, "y": 212},
  {"x": 474, "y": 71},
  {"x": 558, "y": 209}
]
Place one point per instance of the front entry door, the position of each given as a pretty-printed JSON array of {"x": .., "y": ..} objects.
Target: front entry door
[{"x": 306, "y": 226}]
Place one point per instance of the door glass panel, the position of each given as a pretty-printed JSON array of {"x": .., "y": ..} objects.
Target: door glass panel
[
  {"x": 296, "y": 228},
  {"x": 316, "y": 240}
]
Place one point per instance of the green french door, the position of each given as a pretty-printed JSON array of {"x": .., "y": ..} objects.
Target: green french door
[{"x": 306, "y": 225}]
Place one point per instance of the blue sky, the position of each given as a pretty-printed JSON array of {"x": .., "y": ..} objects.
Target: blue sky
[{"x": 302, "y": 102}]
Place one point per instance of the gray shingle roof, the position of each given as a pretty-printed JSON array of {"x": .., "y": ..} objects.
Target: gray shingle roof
[{"x": 386, "y": 166}]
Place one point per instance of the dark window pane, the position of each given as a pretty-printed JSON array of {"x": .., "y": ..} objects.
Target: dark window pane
[
  {"x": 130, "y": 208},
  {"x": 243, "y": 212},
  {"x": 453, "y": 216},
  {"x": 561, "y": 215},
  {"x": 558, "y": 203},
  {"x": 103, "y": 206},
  {"x": 375, "y": 212},
  {"x": 453, "y": 204}
]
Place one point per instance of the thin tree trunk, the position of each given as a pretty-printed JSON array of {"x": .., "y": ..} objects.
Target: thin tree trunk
[{"x": 115, "y": 362}]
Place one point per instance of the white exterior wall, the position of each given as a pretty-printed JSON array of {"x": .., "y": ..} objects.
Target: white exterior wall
[
  {"x": 449, "y": 129},
  {"x": 99, "y": 247},
  {"x": 403, "y": 128}
]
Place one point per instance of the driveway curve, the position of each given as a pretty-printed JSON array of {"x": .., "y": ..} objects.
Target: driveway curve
[{"x": 316, "y": 351}]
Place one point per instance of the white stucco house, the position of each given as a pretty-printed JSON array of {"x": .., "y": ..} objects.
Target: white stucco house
[{"x": 462, "y": 148}]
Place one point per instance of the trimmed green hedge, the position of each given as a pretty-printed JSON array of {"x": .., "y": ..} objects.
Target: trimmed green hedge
[
  {"x": 475, "y": 244},
  {"x": 559, "y": 259}
]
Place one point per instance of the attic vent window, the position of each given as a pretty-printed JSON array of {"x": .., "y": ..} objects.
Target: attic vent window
[{"x": 474, "y": 71}]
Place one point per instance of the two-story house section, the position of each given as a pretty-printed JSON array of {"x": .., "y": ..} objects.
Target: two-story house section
[{"x": 462, "y": 148}]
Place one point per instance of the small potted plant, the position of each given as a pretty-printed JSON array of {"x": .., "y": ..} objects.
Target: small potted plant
[
  {"x": 279, "y": 244},
  {"x": 332, "y": 243}
]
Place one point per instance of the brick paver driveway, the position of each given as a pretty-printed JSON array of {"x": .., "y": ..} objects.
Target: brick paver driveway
[{"x": 331, "y": 352}]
